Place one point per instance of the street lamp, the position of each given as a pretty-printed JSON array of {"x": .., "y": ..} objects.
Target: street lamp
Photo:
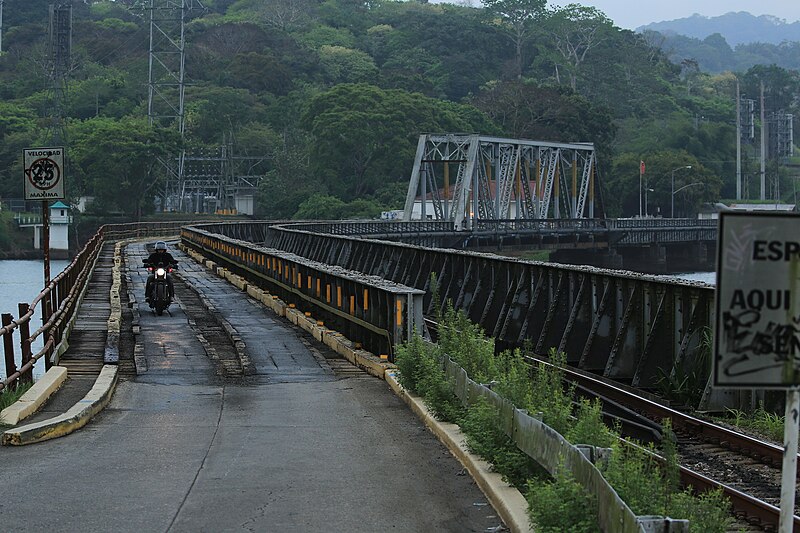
[
  {"x": 672, "y": 199},
  {"x": 684, "y": 187}
]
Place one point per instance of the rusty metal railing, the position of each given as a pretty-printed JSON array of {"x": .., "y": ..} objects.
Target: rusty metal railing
[
  {"x": 377, "y": 313},
  {"x": 59, "y": 302}
]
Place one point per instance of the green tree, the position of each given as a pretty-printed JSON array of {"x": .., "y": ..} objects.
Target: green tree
[
  {"x": 526, "y": 110},
  {"x": 212, "y": 112},
  {"x": 575, "y": 30},
  {"x": 117, "y": 161},
  {"x": 517, "y": 18},
  {"x": 365, "y": 136},
  {"x": 288, "y": 181},
  {"x": 320, "y": 207},
  {"x": 340, "y": 64},
  {"x": 624, "y": 188}
]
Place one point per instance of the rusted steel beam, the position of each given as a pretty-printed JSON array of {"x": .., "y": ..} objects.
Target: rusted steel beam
[
  {"x": 598, "y": 336},
  {"x": 373, "y": 311},
  {"x": 543, "y": 343},
  {"x": 612, "y": 322},
  {"x": 573, "y": 339}
]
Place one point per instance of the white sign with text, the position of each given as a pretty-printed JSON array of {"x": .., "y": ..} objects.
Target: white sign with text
[
  {"x": 44, "y": 173},
  {"x": 757, "y": 341}
]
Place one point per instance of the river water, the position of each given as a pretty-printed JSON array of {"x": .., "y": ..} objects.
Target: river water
[
  {"x": 22, "y": 281},
  {"x": 705, "y": 277}
]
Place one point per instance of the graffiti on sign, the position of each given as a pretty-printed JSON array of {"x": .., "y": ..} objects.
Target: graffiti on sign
[
  {"x": 44, "y": 173},
  {"x": 758, "y": 313}
]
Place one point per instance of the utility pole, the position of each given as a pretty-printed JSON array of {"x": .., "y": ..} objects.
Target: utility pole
[
  {"x": 60, "y": 52},
  {"x": 738, "y": 142},
  {"x": 1, "y": 26},
  {"x": 763, "y": 148},
  {"x": 166, "y": 82}
]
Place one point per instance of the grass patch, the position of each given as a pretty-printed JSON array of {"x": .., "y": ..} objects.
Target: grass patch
[
  {"x": 685, "y": 383},
  {"x": 561, "y": 505},
  {"x": 760, "y": 421},
  {"x": 537, "y": 255},
  {"x": 8, "y": 397},
  {"x": 649, "y": 484}
]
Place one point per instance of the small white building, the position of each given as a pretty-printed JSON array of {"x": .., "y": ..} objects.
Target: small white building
[{"x": 60, "y": 219}]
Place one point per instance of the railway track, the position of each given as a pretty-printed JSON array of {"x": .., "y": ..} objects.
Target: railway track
[{"x": 748, "y": 470}]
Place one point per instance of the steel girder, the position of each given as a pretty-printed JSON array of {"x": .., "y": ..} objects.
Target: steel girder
[
  {"x": 636, "y": 329},
  {"x": 373, "y": 311},
  {"x": 500, "y": 179}
]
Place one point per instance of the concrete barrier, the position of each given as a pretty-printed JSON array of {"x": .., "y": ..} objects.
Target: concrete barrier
[
  {"x": 75, "y": 418},
  {"x": 34, "y": 397}
]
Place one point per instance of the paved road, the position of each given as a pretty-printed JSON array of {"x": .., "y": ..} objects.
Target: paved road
[{"x": 295, "y": 448}]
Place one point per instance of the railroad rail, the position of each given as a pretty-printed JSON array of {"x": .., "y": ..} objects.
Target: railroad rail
[{"x": 745, "y": 506}]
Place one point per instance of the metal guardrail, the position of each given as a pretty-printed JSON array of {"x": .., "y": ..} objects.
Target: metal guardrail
[
  {"x": 373, "y": 311},
  {"x": 555, "y": 453},
  {"x": 427, "y": 226},
  {"x": 650, "y": 223},
  {"x": 60, "y": 301}
]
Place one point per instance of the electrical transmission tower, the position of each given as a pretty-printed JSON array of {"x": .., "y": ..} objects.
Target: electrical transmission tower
[
  {"x": 1, "y": 26},
  {"x": 203, "y": 182},
  {"x": 166, "y": 83},
  {"x": 60, "y": 47}
]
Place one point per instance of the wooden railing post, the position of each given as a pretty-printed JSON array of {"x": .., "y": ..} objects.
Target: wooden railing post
[
  {"x": 8, "y": 348},
  {"x": 25, "y": 344}
]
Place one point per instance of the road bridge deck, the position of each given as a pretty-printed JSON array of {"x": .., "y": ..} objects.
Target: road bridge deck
[{"x": 189, "y": 445}]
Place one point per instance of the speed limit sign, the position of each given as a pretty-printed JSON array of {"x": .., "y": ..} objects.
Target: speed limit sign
[{"x": 44, "y": 173}]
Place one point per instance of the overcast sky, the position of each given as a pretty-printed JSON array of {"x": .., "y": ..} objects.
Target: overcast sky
[{"x": 630, "y": 15}]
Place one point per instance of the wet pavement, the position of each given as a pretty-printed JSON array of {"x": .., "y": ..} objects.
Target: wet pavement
[{"x": 295, "y": 448}]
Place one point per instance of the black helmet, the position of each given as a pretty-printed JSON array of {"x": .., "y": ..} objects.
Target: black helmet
[{"x": 161, "y": 245}]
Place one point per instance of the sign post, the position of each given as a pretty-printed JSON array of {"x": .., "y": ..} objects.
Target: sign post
[
  {"x": 44, "y": 180},
  {"x": 757, "y": 340}
]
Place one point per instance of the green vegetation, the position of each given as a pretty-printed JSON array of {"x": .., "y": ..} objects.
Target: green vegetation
[
  {"x": 647, "y": 483},
  {"x": 334, "y": 95},
  {"x": 13, "y": 240},
  {"x": 685, "y": 384},
  {"x": 9, "y": 396},
  {"x": 760, "y": 421}
]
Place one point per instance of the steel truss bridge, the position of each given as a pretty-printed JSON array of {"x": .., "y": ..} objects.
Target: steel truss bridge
[
  {"x": 633, "y": 328},
  {"x": 498, "y": 179}
]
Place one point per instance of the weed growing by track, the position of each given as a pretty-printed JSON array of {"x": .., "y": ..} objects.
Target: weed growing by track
[
  {"x": 760, "y": 421},
  {"x": 649, "y": 485}
]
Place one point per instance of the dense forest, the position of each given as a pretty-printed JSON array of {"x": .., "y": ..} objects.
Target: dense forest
[{"x": 335, "y": 93}]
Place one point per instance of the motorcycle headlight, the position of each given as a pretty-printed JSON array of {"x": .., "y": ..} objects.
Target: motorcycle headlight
[{"x": 160, "y": 272}]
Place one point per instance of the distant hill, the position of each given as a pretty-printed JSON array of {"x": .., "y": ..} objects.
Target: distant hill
[{"x": 737, "y": 28}]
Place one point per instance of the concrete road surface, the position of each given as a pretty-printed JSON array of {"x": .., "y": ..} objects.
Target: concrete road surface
[{"x": 294, "y": 448}]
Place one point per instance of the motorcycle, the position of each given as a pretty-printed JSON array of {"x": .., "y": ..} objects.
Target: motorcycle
[{"x": 160, "y": 297}]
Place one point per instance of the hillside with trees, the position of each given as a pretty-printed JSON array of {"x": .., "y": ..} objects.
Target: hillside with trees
[
  {"x": 334, "y": 94},
  {"x": 713, "y": 54},
  {"x": 735, "y": 27}
]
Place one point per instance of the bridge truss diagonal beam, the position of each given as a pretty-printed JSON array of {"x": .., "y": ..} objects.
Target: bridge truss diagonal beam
[{"x": 499, "y": 179}]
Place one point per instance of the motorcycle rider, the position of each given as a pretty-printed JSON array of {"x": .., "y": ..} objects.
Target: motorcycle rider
[{"x": 160, "y": 257}]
